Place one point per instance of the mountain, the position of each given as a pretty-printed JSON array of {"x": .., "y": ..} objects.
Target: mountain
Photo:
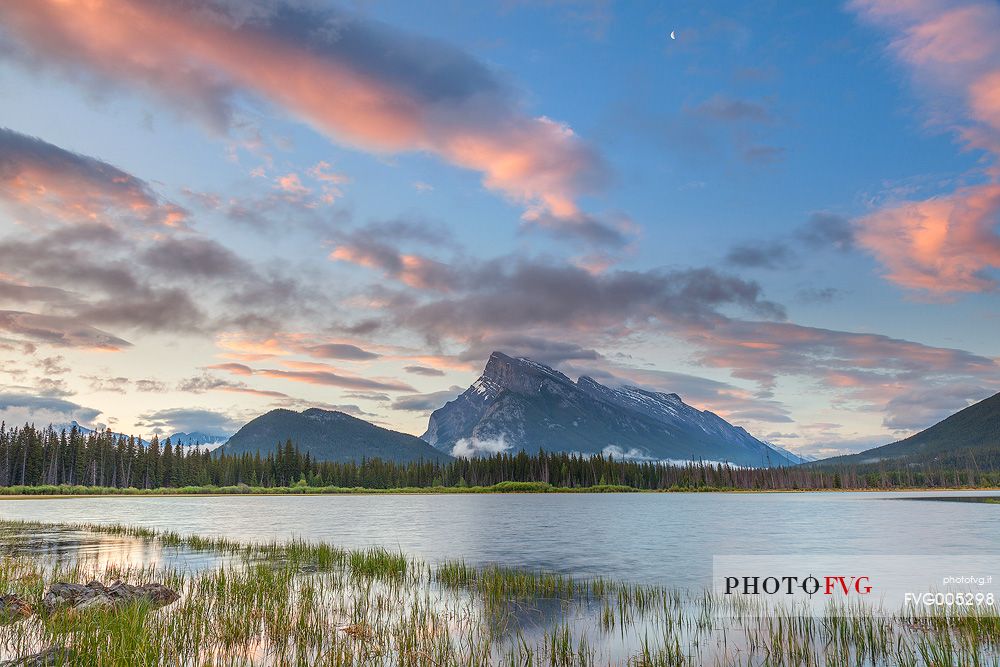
[
  {"x": 87, "y": 431},
  {"x": 207, "y": 441},
  {"x": 795, "y": 458},
  {"x": 521, "y": 404},
  {"x": 328, "y": 436},
  {"x": 967, "y": 433}
]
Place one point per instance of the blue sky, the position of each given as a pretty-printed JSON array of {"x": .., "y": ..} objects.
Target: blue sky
[{"x": 788, "y": 214}]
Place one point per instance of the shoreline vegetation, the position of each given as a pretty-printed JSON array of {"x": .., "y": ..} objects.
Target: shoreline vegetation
[
  {"x": 71, "y": 462},
  {"x": 311, "y": 603},
  {"x": 66, "y": 491}
]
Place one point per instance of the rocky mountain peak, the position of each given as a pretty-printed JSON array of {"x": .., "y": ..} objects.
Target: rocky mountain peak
[
  {"x": 671, "y": 397},
  {"x": 528, "y": 405},
  {"x": 518, "y": 374}
]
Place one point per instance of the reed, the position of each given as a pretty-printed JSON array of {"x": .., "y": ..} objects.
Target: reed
[{"x": 303, "y": 603}]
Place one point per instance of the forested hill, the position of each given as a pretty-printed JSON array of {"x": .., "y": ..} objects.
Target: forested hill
[
  {"x": 970, "y": 437},
  {"x": 329, "y": 435},
  {"x": 44, "y": 461}
]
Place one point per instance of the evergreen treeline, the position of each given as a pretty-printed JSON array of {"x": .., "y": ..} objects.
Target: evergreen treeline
[{"x": 46, "y": 457}]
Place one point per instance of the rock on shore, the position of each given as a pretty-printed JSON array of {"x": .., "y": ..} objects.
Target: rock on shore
[
  {"x": 13, "y": 608},
  {"x": 96, "y": 595}
]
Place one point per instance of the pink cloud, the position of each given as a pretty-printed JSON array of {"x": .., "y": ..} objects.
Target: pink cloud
[
  {"x": 245, "y": 348},
  {"x": 234, "y": 368},
  {"x": 950, "y": 243},
  {"x": 38, "y": 177},
  {"x": 332, "y": 70},
  {"x": 291, "y": 184},
  {"x": 321, "y": 172},
  {"x": 408, "y": 268},
  {"x": 329, "y": 378},
  {"x": 938, "y": 245},
  {"x": 985, "y": 100}
]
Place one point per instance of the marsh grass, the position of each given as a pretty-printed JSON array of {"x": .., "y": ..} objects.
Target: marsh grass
[{"x": 305, "y": 603}]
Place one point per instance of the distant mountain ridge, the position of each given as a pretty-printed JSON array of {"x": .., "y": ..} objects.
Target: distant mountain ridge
[
  {"x": 975, "y": 429},
  {"x": 206, "y": 441},
  {"x": 329, "y": 435},
  {"x": 521, "y": 404},
  {"x": 87, "y": 431}
]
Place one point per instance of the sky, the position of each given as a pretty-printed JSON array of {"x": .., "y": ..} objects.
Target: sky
[{"x": 789, "y": 213}]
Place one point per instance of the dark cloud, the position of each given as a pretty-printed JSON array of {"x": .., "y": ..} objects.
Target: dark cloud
[
  {"x": 165, "y": 282},
  {"x": 510, "y": 294},
  {"x": 363, "y": 328},
  {"x": 80, "y": 273},
  {"x": 822, "y": 231},
  {"x": 16, "y": 409},
  {"x": 188, "y": 420},
  {"x": 118, "y": 385},
  {"x": 818, "y": 294},
  {"x": 763, "y": 154},
  {"x": 704, "y": 134},
  {"x": 598, "y": 231},
  {"x": 859, "y": 371},
  {"x": 376, "y": 252},
  {"x": 925, "y": 406},
  {"x": 277, "y": 297},
  {"x": 58, "y": 331},
  {"x": 207, "y": 382},
  {"x": 761, "y": 255},
  {"x": 275, "y": 212},
  {"x": 426, "y": 402},
  {"x": 193, "y": 256},
  {"x": 728, "y": 109},
  {"x": 50, "y": 366},
  {"x": 543, "y": 350},
  {"x": 424, "y": 370},
  {"x": 118, "y": 295},
  {"x": 52, "y": 387},
  {"x": 410, "y": 228},
  {"x": 827, "y": 230},
  {"x": 21, "y": 294},
  {"x": 339, "y": 351},
  {"x": 368, "y": 396},
  {"x": 425, "y": 68},
  {"x": 150, "y": 309},
  {"x": 150, "y": 386}
]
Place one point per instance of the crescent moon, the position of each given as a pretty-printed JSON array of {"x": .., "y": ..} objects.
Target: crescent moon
[{"x": 673, "y": 34}]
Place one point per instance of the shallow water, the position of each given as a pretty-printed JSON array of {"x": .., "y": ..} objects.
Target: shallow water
[
  {"x": 666, "y": 539},
  {"x": 59, "y": 543}
]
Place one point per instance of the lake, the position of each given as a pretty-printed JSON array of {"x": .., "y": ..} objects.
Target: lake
[{"x": 666, "y": 539}]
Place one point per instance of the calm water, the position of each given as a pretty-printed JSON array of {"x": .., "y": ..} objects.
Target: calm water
[{"x": 656, "y": 538}]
